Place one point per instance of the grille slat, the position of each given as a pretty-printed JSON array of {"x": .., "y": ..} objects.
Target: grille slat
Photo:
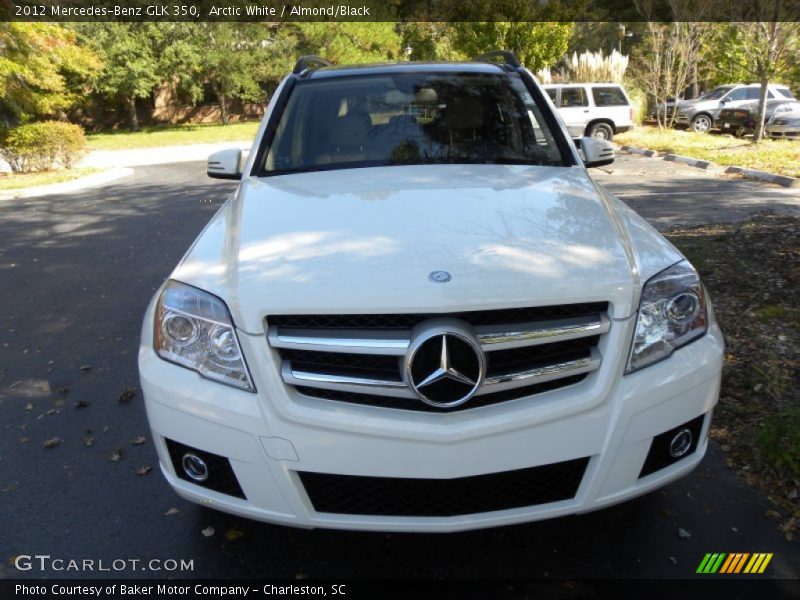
[
  {"x": 391, "y": 496},
  {"x": 359, "y": 358},
  {"x": 409, "y": 321}
]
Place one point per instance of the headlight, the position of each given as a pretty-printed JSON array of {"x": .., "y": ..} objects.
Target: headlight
[
  {"x": 194, "y": 329},
  {"x": 672, "y": 313}
]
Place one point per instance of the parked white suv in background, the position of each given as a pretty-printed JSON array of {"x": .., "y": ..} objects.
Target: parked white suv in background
[
  {"x": 419, "y": 313},
  {"x": 597, "y": 110},
  {"x": 700, "y": 114}
]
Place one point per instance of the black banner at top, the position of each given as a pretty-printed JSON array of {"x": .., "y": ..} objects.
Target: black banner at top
[{"x": 277, "y": 11}]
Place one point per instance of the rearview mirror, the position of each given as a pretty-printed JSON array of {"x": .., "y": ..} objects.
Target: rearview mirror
[
  {"x": 596, "y": 153},
  {"x": 225, "y": 164}
]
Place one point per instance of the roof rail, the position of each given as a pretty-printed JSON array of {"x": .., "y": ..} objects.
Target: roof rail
[
  {"x": 305, "y": 63},
  {"x": 508, "y": 57}
]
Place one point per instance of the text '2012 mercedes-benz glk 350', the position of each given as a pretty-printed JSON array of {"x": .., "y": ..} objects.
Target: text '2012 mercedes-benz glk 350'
[{"x": 419, "y": 313}]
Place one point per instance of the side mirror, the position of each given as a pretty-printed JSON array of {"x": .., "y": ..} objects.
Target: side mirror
[
  {"x": 225, "y": 164},
  {"x": 596, "y": 153}
]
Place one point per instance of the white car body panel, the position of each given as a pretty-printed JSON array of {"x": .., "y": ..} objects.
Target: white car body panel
[{"x": 509, "y": 235}]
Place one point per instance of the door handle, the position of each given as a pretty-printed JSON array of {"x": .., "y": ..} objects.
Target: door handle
[{"x": 585, "y": 110}]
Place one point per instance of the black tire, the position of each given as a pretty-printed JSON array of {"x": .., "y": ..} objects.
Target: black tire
[
  {"x": 601, "y": 131},
  {"x": 702, "y": 123}
]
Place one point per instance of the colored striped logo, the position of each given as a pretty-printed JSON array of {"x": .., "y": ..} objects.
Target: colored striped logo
[{"x": 736, "y": 562}]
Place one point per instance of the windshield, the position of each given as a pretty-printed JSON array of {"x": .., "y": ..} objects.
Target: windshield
[
  {"x": 410, "y": 119},
  {"x": 716, "y": 93}
]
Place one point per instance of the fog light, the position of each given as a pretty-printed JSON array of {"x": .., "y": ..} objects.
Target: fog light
[
  {"x": 194, "y": 466},
  {"x": 681, "y": 443}
]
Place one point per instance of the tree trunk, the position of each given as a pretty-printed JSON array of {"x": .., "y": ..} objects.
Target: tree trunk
[
  {"x": 223, "y": 108},
  {"x": 133, "y": 118},
  {"x": 694, "y": 90},
  {"x": 762, "y": 109}
]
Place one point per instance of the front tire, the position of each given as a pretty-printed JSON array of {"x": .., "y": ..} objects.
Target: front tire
[
  {"x": 601, "y": 131},
  {"x": 702, "y": 124}
]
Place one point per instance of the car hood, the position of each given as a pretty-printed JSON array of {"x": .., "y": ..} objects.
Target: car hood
[
  {"x": 697, "y": 102},
  {"x": 366, "y": 240}
]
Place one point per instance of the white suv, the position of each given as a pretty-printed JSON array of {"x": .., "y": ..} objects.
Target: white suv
[
  {"x": 419, "y": 313},
  {"x": 597, "y": 110}
]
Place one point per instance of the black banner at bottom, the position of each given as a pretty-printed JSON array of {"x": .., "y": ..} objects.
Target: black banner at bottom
[{"x": 730, "y": 588}]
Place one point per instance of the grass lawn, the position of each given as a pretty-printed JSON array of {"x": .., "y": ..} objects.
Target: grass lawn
[
  {"x": 173, "y": 135},
  {"x": 775, "y": 156},
  {"x": 27, "y": 180}
]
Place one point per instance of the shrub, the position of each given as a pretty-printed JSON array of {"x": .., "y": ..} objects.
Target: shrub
[
  {"x": 591, "y": 67},
  {"x": 639, "y": 101},
  {"x": 40, "y": 146}
]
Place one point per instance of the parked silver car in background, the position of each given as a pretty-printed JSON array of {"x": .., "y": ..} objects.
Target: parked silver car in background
[
  {"x": 784, "y": 125},
  {"x": 597, "y": 110},
  {"x": 701, "y": 114}
]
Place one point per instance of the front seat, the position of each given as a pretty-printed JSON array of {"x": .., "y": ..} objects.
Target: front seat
[
  {"x": 463, "y": 120},
  {"x": 348, "y": 140}
]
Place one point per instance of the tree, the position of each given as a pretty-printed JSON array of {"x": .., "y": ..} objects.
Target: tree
[
  {"x": 671, "y": 52},
  {"x": 768, "y": 45},
  {"x": 237, "y": 60},
  {"x": 430, "y": 41},
  {"x": 538, "y": 45},
  {"x": 131, "y": 65},
  {"x": 350, "y": 43},
  {"x": 42, "y": 69}
]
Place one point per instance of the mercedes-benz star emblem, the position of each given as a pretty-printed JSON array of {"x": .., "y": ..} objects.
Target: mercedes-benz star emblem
[
  {"x": 445, "y": 368},
  {"x": 440, "y": 276}
]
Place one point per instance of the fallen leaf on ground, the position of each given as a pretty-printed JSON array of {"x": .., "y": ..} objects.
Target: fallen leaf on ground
[
  {"x": 208, "y": 531},
  {"x": 138, "y": 441},
  {"x": 234, "y": 534},
  {"x": 143, "y": 470},
  {"x": 683, "y": 534},
  {"x": 52, "y": 442},
  {"x": 85, "y": 368},
  {"x": 116, "y": 455},
  {"x": 81, "y": 404},
  {"x": 171, "y": 511},
  {"x": 28, "y": 407},
  {"x": 88, "y": 440},
  {"x": 127, "y": 395}
]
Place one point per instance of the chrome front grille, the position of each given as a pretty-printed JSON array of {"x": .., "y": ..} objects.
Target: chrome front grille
[{"x": 360, "y": 358}]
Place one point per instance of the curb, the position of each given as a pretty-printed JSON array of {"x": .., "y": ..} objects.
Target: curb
[
  {"x": 783, "y": 180},
  {"x": 692, "y": 162},
  {"x": 66, "y": 187},
  {"x": 642, "y": 151}
]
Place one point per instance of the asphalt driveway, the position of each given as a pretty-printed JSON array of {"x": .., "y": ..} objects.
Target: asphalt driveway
[{"x": 76, "y": 273}]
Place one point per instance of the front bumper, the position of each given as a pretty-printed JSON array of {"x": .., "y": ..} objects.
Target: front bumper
[
  {"x": 271, "y": 437},
  {"x": 783, "y": 131}
]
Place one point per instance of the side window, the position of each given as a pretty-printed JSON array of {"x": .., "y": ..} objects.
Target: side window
[
  {"x": 609, "y": 96},
  {"x": 552, "y": 94},
  {"x": 754, "y": 92},
  {"x": 573, "y": 97},
  {"x": 739, "y": 94},
  {"x": 785, "y": 93}
]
